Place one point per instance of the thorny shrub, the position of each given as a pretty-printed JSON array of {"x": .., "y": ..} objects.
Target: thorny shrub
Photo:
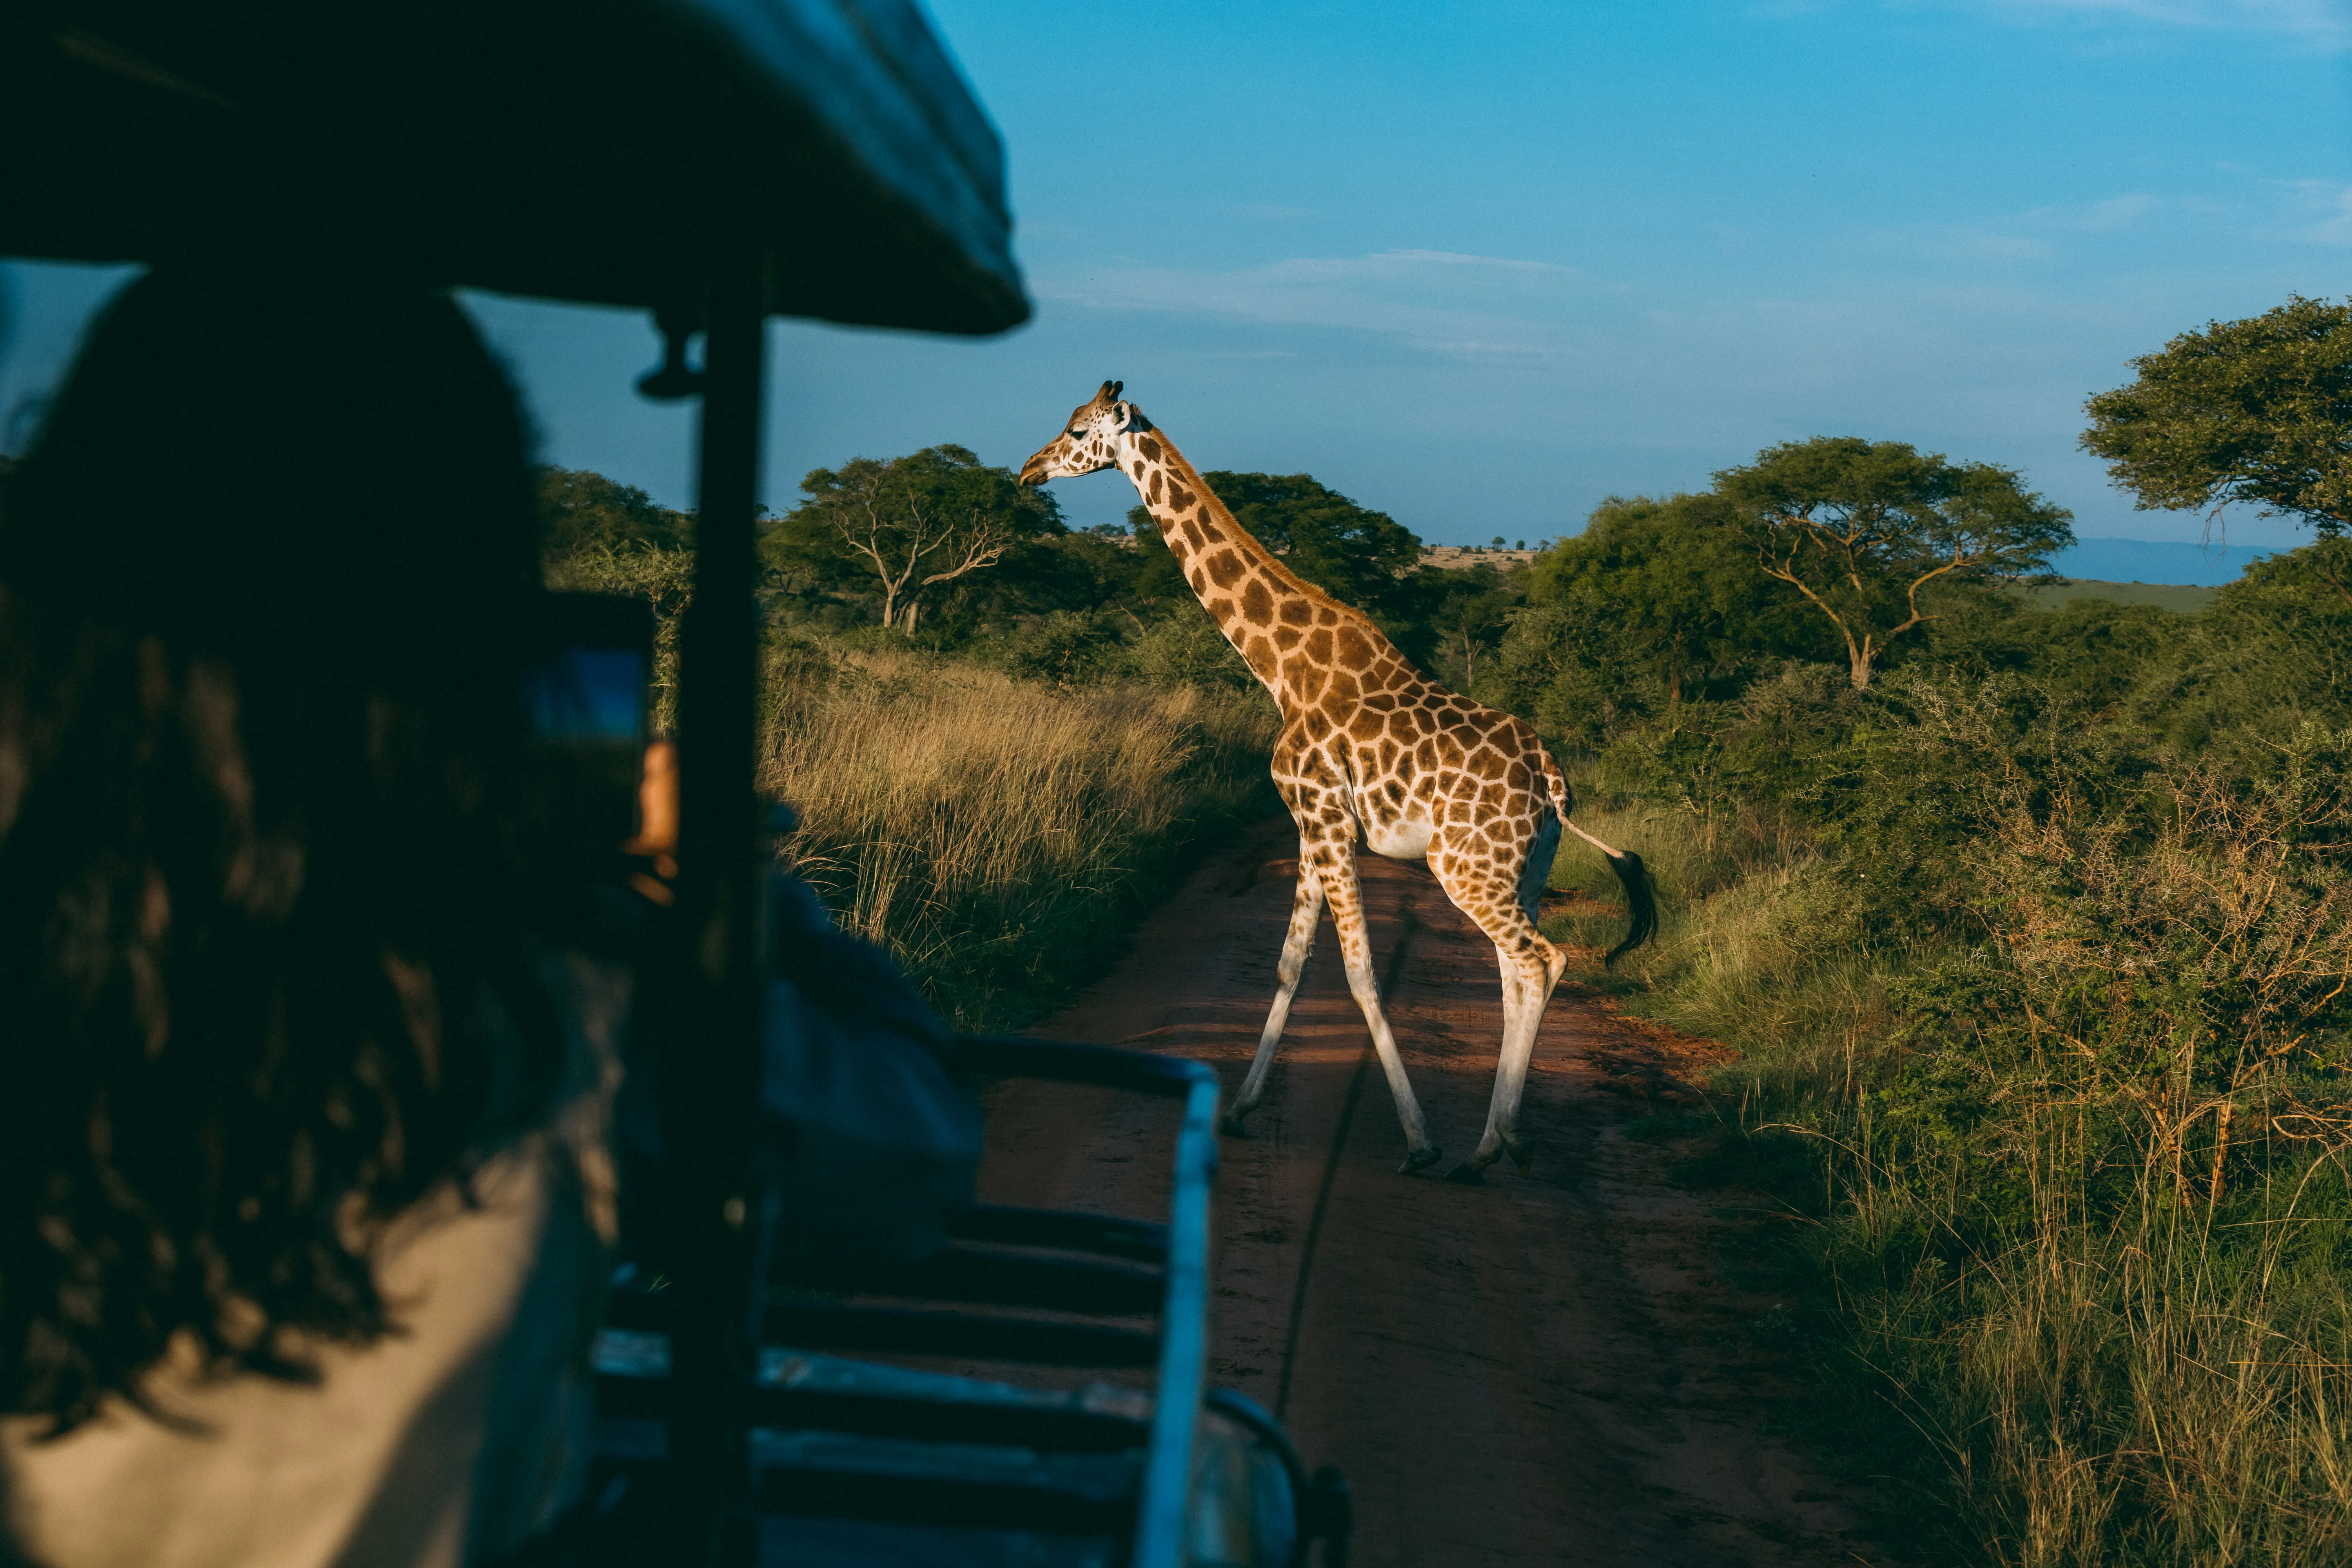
[{"x": 2044, "y": 1029}]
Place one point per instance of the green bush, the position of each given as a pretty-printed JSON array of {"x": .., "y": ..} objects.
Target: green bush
[
  {"x": 1068, "y": 648},
  {"x": 1185, "y": 649},
  {"x": 2042, "y": 1017}
]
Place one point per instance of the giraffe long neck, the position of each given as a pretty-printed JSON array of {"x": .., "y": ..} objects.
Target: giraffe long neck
[{"x": 1270, "y": 615}]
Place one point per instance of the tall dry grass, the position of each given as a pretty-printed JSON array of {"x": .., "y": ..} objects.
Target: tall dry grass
[
  {"x": 999, "y": 834},
  {"x": 1752, "y": 947},
  {"x": 2146, "y": 1381},
  {"x": 2073, "y": 1205}
]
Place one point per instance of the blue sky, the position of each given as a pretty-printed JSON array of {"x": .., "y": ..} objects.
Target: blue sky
[{"x": 1481, "y": 265}]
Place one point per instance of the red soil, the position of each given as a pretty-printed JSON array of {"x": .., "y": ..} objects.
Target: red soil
[{"x": 1545, "y": 1369}]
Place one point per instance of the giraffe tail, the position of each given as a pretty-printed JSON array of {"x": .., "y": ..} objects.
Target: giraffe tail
[{"x": 1640, "y": 893}]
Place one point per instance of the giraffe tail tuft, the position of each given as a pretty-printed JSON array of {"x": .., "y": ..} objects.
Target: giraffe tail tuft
[
  {"x": 1641, "y": 905},
  {"x": 1641, "y": 892}
]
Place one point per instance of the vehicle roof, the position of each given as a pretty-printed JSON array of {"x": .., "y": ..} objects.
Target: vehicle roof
[{"x": 592, "y": 150}]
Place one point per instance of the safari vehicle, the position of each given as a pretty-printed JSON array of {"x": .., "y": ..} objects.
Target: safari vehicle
[
  {"x": 715, "y": 162},
  {"x": 860, "y": 1462}
]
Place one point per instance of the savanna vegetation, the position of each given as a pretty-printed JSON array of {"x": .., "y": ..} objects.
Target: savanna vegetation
[
  {"x": 2025, "y": 911},
  {"x": 994, "y": 788},
  {"x": 1000, "y": 833},
  {"x": 2035, "y": 954},
  {"x": 1001, "y": 736}
]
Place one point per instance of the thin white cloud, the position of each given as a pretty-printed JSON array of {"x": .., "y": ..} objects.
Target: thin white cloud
[
  {"x": 1442, "y": 302},
  {"x": 2108, "y": 216},
  {"x": 1969, "y": 242},
  {"x": 2324, "y": 208},
  {"x": 2032, "y": 234},
  {"x": 2269, "y": 16},
  {"x": 2293, "y": 211},
  {"x": 1456, "y": 259},
  {"x": 2322, "y": 22}
]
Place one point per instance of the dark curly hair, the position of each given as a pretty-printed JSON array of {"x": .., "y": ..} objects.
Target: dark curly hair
[{"x": 264, "y": 584}]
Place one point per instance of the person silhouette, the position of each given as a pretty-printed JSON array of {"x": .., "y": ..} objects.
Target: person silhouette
[{"x": 309, "y": 1133}]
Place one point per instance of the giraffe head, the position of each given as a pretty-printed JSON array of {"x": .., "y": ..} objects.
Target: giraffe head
[{"x": 1089, "y": 439}]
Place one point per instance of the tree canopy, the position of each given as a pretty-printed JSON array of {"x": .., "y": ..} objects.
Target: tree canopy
[
  {"x": 2257, "y": 412},
  {"x": 1862, "y": 528},
  {"x": 1357, "y": 555},
  {"x": 581, "y": 512},
  {"x": 1675, "y": 583},
  {"x": 1656, "y": 603},
  {"x": 909, "y": 524},
  {"x": 1469, "y": 609}
]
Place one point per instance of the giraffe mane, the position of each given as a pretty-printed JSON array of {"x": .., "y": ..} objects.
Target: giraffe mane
[{"x": 1274, "y": 565}]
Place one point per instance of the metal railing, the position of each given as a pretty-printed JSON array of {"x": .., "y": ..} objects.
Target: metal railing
[
  {"x": 830, "y": 1436},
  {"x": 1183, "y": 1361}
]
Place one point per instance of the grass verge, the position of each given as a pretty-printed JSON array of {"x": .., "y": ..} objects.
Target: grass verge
[
  {"x": 1001, "y": 836},
  {"x": 2065, "y": 1208}
]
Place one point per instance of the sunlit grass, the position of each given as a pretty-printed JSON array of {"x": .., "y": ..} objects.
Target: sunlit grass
[
  {"x": 999, "y": 834},
  {"x": 2091, "y": 1357}
]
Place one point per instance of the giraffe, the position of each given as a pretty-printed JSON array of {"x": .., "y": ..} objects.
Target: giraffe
[{"x": 1371, "y": 748}]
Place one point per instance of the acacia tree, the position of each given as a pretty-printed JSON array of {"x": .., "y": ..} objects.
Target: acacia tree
[
  {"x": 1674, "y": 585},
  {"x": 2256, "y": 412},
  {"x": 913, "y": 522},
  {"x": 1353, "y": 553},
  {"x": 1359, "y": 556},
  {"x": 1860, "y": 528},
  {"x": 580, "y": 511},
  {"x": 1470, "y": 608}
]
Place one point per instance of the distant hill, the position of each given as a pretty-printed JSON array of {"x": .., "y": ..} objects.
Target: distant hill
[
  {"x": 1466, "y": 555},
  {"x": 2172, "y": 576},
  {"x": 2184, "y": 597},
  {"x": 2147, "y": 561}
]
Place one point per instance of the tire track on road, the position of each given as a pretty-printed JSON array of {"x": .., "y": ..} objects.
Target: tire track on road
[
  {"x": 1331, "y": 1166},
  {"x": 1540, "y": 1370}
]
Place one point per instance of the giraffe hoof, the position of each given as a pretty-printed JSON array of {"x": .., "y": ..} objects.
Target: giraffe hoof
[
  {"x": 1469, "y": 1174},
  {"x": 1420, "y": 1160},
  {"x": 1230, "y": 1124}
]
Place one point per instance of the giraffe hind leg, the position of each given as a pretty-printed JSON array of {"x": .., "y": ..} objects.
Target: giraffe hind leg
[
  {"x": 1298, "y": 947},
  {"x": 1527, "y": 990},
  {"x": 1524, "y": 995},
  {"x": 1530, "y": 967}
]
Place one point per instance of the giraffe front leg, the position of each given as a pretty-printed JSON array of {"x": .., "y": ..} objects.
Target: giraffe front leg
[
  {"x": 1298, "y": 947},
  {"x": 1335, "y": 865}
]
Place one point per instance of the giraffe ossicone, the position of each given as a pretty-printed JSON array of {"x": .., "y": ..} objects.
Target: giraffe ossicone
[{"x": 1370, "y": 749}]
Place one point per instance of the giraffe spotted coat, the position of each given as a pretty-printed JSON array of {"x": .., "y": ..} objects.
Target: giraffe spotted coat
[{"x": 1369, "y": 750}]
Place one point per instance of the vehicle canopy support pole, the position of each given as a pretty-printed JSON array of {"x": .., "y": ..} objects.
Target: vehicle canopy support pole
[{"x": 710, "y": 1056}]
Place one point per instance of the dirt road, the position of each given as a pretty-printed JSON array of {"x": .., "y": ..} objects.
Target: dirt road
[{"x": 1546, "y": 1369}]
